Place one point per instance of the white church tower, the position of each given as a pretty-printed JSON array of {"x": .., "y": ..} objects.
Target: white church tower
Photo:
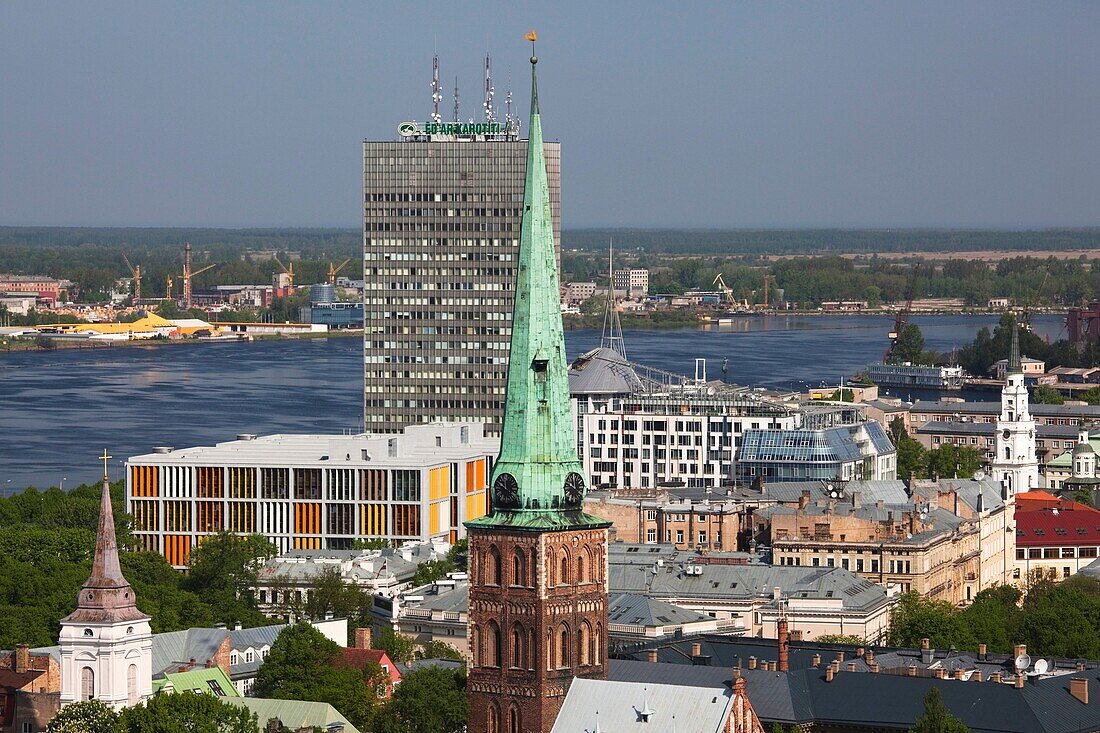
[
  {"x": 1015, "y": 464},
  {"x": 106, "y": 643}
]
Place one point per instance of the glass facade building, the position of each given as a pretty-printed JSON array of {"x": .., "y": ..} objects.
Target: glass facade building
[
  {"x": 441, "y": 228},
  {"x": 858, "y": 451}
]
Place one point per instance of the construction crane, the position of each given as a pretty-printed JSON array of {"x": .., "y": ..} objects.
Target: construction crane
[
  {"x": 332, "y": 271},
  {"x": 724, "y": 289},
  {"x": 136, "y": 272},
  {"x": 188, "y": 274},
  {"x": 288, "y": 270},
  {"x": 767, "y": 281},
  {"x": 902, "y": 317},
  {"x": 168, "y": 288},
  {"x": 1025, "y": 315}
]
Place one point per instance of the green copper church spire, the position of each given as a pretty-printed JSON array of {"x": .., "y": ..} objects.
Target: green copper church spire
[{"x": 538, "y": 482}]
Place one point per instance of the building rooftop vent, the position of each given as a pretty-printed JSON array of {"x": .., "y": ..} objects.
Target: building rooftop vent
[{"x": 163, "y": 449}]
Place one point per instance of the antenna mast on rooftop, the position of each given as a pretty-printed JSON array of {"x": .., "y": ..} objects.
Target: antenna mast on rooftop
[
  {"x": 437, "y": 91},
  {"x": 490, "y": 113},
  {"x": 611, "y": 336},
  {"x": 456, "y": 101}
]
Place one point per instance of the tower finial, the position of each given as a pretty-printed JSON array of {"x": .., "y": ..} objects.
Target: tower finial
[
  {"x": 1014, "y": 350},
  {"x": 105, "y": 458},
  {"x": 532, "y": 37},
  {"x": 437, "y": 91},
  {"x": 490, "y": 112}
]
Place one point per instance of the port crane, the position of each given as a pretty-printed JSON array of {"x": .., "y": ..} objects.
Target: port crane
[
  {"x": 902, "y": 317},
  {"x": 333, "y": 271},
  {"x": 136, "y": 273},
  {"x": 727, "y": 294},
  {"x": 288, "y": 270},
  {"x": 188, "y": 273},
  {"x": 1025, "y": 313},
  {"x": 168, "y": 288}
]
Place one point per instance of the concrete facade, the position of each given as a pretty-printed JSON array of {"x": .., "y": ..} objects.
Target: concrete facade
[{"x": 441, "y": 228}]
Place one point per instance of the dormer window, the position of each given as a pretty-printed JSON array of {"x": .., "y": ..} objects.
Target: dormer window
[{"x": 88, "y": 632}]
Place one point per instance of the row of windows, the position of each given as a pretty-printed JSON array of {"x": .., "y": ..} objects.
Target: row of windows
[
  {"x": 563, "y": 649},
  {"x": 1049, "y": 553},
  {"x": 522, "y": 565}
]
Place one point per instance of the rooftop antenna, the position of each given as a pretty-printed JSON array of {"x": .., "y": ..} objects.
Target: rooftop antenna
[
  {"x": 490, "y": 113},
  {"x": 456, "y": 101},
  {"x": 611, "y": 336},
  {"x": 437, "y": 91}
]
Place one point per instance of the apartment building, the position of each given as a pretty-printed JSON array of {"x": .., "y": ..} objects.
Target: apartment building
[
  {"x": 633, "y": 281},
  {"x": 313, "y": 491},
  {"x": 690, "y": 519},
  {"x": 1055, "y": 537},
  {"x": 947, "y": 540}
]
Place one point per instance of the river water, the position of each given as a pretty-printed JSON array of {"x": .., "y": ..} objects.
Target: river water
[{"x": 60, "y": 409}]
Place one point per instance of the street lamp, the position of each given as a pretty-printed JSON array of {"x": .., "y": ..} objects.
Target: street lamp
[{"x": 63, "y": 480}]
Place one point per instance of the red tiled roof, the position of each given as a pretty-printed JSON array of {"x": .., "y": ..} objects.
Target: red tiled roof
[
  {"x": 15, "y": 680},
  {"x": 1066, "y": 524},
  {"x": 360, "y": 658}
]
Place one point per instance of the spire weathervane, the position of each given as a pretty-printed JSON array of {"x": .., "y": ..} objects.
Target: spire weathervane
[{"x": 105, "y": 458}]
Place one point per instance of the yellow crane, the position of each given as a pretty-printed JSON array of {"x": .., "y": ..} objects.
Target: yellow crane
[
  {"x": 288, "y": 270},
  {"x": 332, "y": 271},
  {"x": 727, "y": 294},
  {"x": 187, "y": 276},
  {"x": 136, "y": 272},
  {"x": 168, "y": 288}
]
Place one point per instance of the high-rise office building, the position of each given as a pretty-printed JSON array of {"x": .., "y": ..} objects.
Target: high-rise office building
[{"x": 442, "y": 207}]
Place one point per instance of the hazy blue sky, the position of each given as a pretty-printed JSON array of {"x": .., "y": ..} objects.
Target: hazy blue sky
[{"x": 670, "y": 113}]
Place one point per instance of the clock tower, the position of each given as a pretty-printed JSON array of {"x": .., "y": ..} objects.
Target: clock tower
[
  {"x": 538, "y": 562},
  {"x": 1015, "y": 464}
]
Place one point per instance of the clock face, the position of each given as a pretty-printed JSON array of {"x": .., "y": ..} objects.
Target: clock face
[
  {"x": 574, "y": 489},
  {"x": 1006, "y": 434},
  {"x": 506, "y": 492}
]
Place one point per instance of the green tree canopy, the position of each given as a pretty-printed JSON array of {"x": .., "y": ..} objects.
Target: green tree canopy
[
  {"x": 430, "y": 700},
  {"x": 912, "y": 458},
  {"x": 304, "y": 665},
  {"x": 950, "y": 460},
  {"x": 1044, "y": 394},
  {"x": 224, "y": 570},
  {"x": 187, "y": 712},
  {"x": 86, "y": 716},
  {"x": 431, "y": 571},
  {"x": 909, "y": 345},
  {"x": 936, "y": 717}
]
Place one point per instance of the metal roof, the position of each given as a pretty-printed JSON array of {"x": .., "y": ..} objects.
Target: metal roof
[
  {"x": 294, "y": 714},
  {"x": 994, "y": 408},
  {"x": 639, "y": 610},
  {"x": 618, "y": 706}
]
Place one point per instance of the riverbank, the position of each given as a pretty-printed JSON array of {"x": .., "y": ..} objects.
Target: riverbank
[{"x": 46, "y": 343}]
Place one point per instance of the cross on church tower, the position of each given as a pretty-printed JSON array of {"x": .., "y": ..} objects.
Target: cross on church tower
[{"x": 105, "y": 458}]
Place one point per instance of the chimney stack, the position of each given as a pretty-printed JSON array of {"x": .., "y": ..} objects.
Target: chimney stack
[
  {"x": 784, "y": 645},
  {"x": 911, "y": 670},
  {"x": 22, "y": 658},
  {"x": 752, "y": 662},
  {"x": 363, "y": 638},
  {"x": 874, "y": 666},
  {"x": 1019, "y": 650},
  {"x": 995, "y": 677},
  {"x": 851, "y": 666},
  {"x": 869, "y": 656},
  {"x": 1019, "y": 681},
  {"x": 957, "y": 674},
  {"x": 804, "y": 500},
  {"x": 829, "y": 674},
  {"x": 696, "y": 649},
  {"x": 982, "y": 651},
  {"x": 736, "y": 673},
  {"x": 1080, "y": 666},
  {"x": 1079, "y": 688},
  {"x": 816, "y": 661},
  {"x": 840, "y": 656},
  {"x": 941, "y": 673},
  {"x": 796, "y": 634},
  {"x": 977, "y": 676},
  {"x": 651, "y": 655}
]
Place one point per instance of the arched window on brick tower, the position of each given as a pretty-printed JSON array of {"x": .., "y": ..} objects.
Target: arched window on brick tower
[
  {"x": 563, "y": 646},
  {"x": 514, "y": 725},
  {"x": 492, "y": 646},
  {"x": 519, "y": 644},
  {"x": 584, "y": 644},
  {"x": 519, "y": 573},
  {"x": 563, "y": 576},
  {"x": 492, "y": 569},
  {"x": 494, "y": 718}
]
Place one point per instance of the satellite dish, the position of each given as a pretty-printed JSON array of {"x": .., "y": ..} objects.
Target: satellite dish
[
  {"x": 1041, "y": 666},
  {"x": 979, "y": 475},
  {"x": 1023, "y": 662}
]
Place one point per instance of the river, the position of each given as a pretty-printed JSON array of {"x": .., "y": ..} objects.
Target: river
[{"x": 60, "y": 409}]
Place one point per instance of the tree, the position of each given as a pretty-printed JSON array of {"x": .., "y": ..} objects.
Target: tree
[
  {"x": 430, "y": 700},
  {"x": 397, "y": 645},
  {"x": 951, "y": 460},
  {"x": 1044, "y": 394},
  {"x": 936, "y": 718},
  {"x": 912, "y": 458},
  {"x": 86, "y": 716},
  {"x": 436, "y": 649},
  {"x": 303, "y": 665},
  {"x": 370, "y": 543},
  {"x": 458, "y": 554},
  {"x": 224, "y": 570},
  {"x": 187, "y": 712},
  {"x": 897, "y": 430},
  {"x": 839, "y": 639},
  {"x": 916, "y": 617},
  {"x": 431, "y": 571},
  {"x": 909, "y": 345}
]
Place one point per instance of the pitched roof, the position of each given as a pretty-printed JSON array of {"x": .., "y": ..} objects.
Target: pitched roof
[
  {"x": 1067, "y": 523},
  {"x": 210, "y": 680},
  {"x": 294, "y": 714},
  {"x": 618, "y": 707},
  {"x": 639, "y": 610}
]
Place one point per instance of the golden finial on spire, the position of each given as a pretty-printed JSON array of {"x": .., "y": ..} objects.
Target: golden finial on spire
[
  {"x": 532, "y": 37},
  {"x": 105, "y": 458}
]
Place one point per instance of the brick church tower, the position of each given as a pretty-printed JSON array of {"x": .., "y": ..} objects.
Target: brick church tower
[{"x": 538, "y": 563}]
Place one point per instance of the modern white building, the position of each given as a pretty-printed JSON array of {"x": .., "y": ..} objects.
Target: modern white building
[
  {"x": 313, "y": 491},
  {"x": 634, "y": 282}
]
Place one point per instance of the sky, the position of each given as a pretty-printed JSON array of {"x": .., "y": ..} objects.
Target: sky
[{"x": 671, "y": 114}]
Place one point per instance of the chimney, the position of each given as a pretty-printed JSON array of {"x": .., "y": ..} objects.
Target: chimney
[
  {"x": 869, "y": 656},
  {"x": 829, "y": 674},
  {"x": 927, "y": 654},
  {"x": 874, "y": 667},
  {"x": 926, "y": 643},
  {"x": 977, "y": 676},
  {"x": 22, "y": 658},
  {"x": 859, "y": 651},
  {"x": 1080, "y": 666},
  {"x": 1019, "y": 681},
  {"x": 816, "y": 661},
  {"x": 941, "y": 674},
  {"x": 736, "y": 673},
  {"x": 651, "y": 655},
  {"x": 784, "y": 645},
  {"x": 835, "y": 665},
  {"x": 851, "y": 666},
  {"x": 752, "y": 662},
  {"x": 840, "y": 656},
  {"x": 995, "y": 677},
  {"x": 804, "y": 500},
  {"x": 696, "y": 649},
  {"x": 911, "y": 670},
  {"x": 957, "y": 674},
  {"x": 856, "y": 503},
  {"x": 362, "y": 638},
  {"x": 1019, "y": 650},
  {"x": 1079, "y": 688},
  {"x": 796, "y": 634},
  {"x": 982, "y": 651}
]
